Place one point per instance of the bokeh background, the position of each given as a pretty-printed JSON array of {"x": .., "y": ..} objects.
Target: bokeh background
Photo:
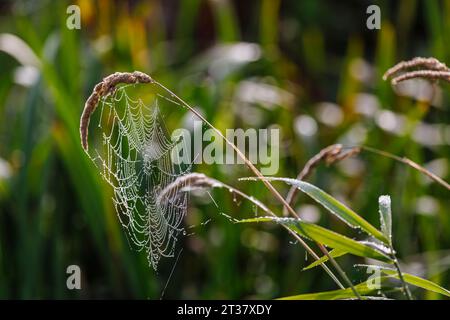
[{"x": 310, "y": 68}]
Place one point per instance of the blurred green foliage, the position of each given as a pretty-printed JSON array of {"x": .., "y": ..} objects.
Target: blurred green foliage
[{"x": 321, "y": 68}]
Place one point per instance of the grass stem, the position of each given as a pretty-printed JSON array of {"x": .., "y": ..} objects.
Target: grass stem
[{"x": 409, "y": 163}]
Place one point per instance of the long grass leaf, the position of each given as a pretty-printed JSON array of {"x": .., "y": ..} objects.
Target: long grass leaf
[
  {"x": 325, "y": 237},
  {"x": 362, "y": 288},
  {"x": 412, "y": 280},
  {"x": 334, "y": 253},
  {"x": 419, "y": 282},
  {"x": 332, "y": 205}
]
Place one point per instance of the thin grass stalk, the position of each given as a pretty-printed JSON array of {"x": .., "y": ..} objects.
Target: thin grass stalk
[
  {"x": 405, "y": 287},
  {"x": 329, "y": 155},
  {"x": 333, "y": 153},
  {"x": 410, "y": 163}
]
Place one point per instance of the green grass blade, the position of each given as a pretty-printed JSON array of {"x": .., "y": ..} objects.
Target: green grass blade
[
  {"x": 334, "y": 206},
  {"x": 326, "y": 237},
  {"x": 418, "y": 282},
  {"x": 413, "y": 280},
  {"x": 362, "y": 288},
  {"x": 385, "y": 216},
  {"x": 333, "y": 253}
]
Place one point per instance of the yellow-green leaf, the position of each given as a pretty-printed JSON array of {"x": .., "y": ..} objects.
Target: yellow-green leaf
[
  {"x": 337, "y": 208},
  {"x": 333, "y": 253},
  {"x": 418, "y": 282},
  {"x": 347, "y": 293},
  {"x": 326, "y": 237}
]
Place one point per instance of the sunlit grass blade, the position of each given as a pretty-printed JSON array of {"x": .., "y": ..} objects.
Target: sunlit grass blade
[
  {"x": 385, "y": 216},
  {"x": 412, "y": 280},
  {"x": 333, "y": 205},
  {"x": 418, "y": 282},
  {"x": 333, "y": 253},
  {"x": 362, "y": 288},
  {"x": 325, "y": 237}
]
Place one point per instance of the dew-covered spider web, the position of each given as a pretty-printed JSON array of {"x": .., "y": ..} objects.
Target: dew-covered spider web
[{"x": 135, "y": 158}]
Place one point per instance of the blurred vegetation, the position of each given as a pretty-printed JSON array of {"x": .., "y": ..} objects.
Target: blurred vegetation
[{"x": 309, "y": 67}]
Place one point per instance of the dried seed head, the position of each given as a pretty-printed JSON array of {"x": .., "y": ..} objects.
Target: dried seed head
[
  {"x": 427, "y": 74},
  {"x": 329, "y": 155},
  {"x": 103, "y": 89},
  {"x": 192, "y": 180},
  {"x": 432, "y": 69}
]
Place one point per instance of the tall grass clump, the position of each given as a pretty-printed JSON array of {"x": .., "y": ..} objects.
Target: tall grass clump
[{"x": 375, "y": 244}]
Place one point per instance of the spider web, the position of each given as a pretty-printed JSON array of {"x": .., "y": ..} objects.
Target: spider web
[{"x": 135, "y": 159}]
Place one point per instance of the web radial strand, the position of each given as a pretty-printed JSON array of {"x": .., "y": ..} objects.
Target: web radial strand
[{"x": 135, "y": 159}]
